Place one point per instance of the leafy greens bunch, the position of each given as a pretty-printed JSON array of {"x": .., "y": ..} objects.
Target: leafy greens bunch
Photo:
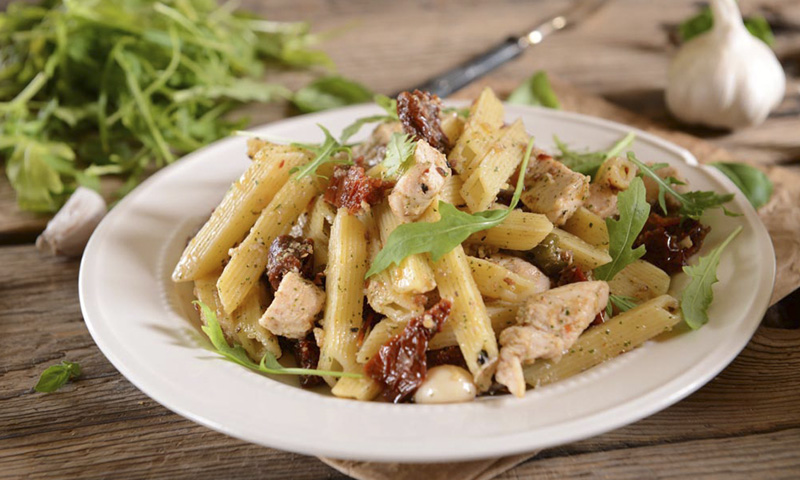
[{"x": 92, "y": 87}]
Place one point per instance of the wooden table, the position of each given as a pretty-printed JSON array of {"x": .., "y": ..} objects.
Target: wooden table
[{"x": 744, "y": 423}]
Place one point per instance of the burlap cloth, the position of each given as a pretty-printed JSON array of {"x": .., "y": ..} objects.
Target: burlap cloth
[{"x": 781, "y": 217}]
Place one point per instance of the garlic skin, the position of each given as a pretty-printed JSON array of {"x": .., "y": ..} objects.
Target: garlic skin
[
  {"x": 725, "y": 77},
  {"x": 69, "y": 230}
]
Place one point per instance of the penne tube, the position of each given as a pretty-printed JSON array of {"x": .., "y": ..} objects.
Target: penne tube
[
  {"x": 484, "y": 122},
  {"x": 619, "y": 334},
  {"x": 249, "y": 260},
  {"x": 586, "y": 256},
  {"x": 589, "y": 227},
  {"x": 501, "y": 314},
  {"x": 238, "y": 211},
  {"x": 344, "y": 286},
  {"x": 413, "y": 274},
  {"x": 641, "y": 280},
  {"x": 497, "y": 282},
  {"x": 520, "y": 231}
]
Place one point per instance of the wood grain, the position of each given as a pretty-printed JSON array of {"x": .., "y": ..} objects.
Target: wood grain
[{"x": 744, "y": 424}]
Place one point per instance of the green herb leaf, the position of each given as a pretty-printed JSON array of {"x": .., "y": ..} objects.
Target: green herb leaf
[
  {"x": 755, "y": 185},
  {"x": 693, "y": 204},
  {"x": 237, "y": 354},
  {"x": 55, "y": 376},
  {"x": 698, "y": 295},
  {"x": 399, "y": 154},
  {"x": 324, "y": 153},
  {"x": 587, "y": 163},
  {"x": 129, "y": 85},
  {"x": 442, "y": 236},
  {"x": 330, "y": 92},
  {"x": 389, "y": 105},
  {"x": 704, "y": 20},
  {"x": 535, "y": 91},
  {"x": 622, "y": 302},
  {"x": 461, "y": 112},
  {"x": 633, "y": 213}
]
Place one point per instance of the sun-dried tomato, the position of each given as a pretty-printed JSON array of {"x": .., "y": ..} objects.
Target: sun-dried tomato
[
  {"x": 289, "y": 254},
  {"x": 446, "y": 356},
  {"x": 400, "y": 365},
  {"x": 350, "y": 187},
  {"x": 670, "y": 241},
  {"x": 419, "y": 114},
  {"x": 306, "y": 353}
]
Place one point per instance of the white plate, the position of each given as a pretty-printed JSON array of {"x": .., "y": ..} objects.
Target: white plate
[{"x": 144, "y": 325}]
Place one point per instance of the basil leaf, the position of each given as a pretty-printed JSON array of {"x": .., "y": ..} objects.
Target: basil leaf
[
  {"x": 237, "y": 354},
  {"x": 535, "y": 91},
  {"x": 693, "y": 204},
  {"x": 399, "y": 154},
  {"x": 698, "y": 295},
  {"x": 330, "y": 92},
  {"x": 633, "y": 213},
  {"x": 587, "y": 163},
  {"x": 442, "y": 236},
  {"x": 55, "y": 376},
  {"x": 755, "y": 185}
]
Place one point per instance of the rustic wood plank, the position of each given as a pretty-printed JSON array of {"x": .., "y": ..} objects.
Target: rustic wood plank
[{"x": 104, "y": 421}]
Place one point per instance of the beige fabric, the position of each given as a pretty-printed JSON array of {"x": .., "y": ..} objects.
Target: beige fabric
[{"x": 781, "y": 217}]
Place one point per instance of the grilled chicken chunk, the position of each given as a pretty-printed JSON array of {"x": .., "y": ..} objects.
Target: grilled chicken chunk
[
  {"x": 523, "y": 269},
  {"x": 548, "y": 325},
  {"x": 416, "y": 189},
  {"x": 554, "y": 190},
  {"x": 294, "y": 308},
  {"x": 602, "y": 200}
]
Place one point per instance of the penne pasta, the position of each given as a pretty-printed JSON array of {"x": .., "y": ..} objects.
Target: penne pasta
[
  {"x": 345, "y": 295},
  {"x": 238, "y": 211},
  {"x": 501, "y": 314},
  {"x": 586, "y": 256},
  {"x": 497, "y": 282},
  {"x": 413, "y": 275},
  {"x": 520, "y": 231},
  {"x": 483, "y": 124},
  {"x": 492, "y": 171},
  {"x": 641, "y": 280},
  {"x": 249, "y": 259},
  {"x": 620, "y": 334},
  {"x": 589, "y": 227}
]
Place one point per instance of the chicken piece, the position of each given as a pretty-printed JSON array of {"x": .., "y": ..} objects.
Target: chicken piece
[
  {"x": 416, "y": 189},
  {"x": 602, "y": 200},
  {"x": 554, "y": 190},
  {"x": 372, "y": 150},
  {"x": 523, "y": 269},
  {"x": 294, "y": 308},
  {"x": 548, "y": 325},
  {"x": 651, "y": 187}
]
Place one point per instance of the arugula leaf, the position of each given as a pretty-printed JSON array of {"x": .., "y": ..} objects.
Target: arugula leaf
[
  {"x": 633, "y": 213},
  {"x": 237, "y": 354},
  {"x": 698, "y": 295},
  {"x": 622, "y": 302},
  {"x": 535, "y": 91},
  {"x": 587, "y": 163},
  {"x": 389, "y": 105},
  {"x": 55, "y": 376},
  {"x": 461, "y": 112},
  {"x": 399, "y": 154},
  {"x": 693, "y": 204},
  {"x": 704, "y": 20},
  {"x": 755, "y": 185},
  {"x": 129, "y": 85},
  {"x": 330, "y": 92},
  {"x": 442, "y": 236},
  {"x": 324, "y": 153}
]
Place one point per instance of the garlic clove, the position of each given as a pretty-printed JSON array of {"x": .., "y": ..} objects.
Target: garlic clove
[
  {"x": 446, "y": 384},
  {"x": 725, "y": 77},
  {"x": 69, "y": 230}
]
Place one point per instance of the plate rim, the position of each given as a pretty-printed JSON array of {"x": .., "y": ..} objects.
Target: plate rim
[{"x": 512, "y": 444}]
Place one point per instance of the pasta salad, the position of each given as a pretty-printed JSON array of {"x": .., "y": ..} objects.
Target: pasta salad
[{"x": 445, "y": 257}]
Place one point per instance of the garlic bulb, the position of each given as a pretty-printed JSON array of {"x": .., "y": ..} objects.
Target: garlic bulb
[
  {"x": 69, "y": 230},
  {"x": 725, "y": 77}
]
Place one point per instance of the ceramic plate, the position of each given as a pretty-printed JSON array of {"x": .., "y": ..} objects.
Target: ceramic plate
[{"x": 146, "y": 327}]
